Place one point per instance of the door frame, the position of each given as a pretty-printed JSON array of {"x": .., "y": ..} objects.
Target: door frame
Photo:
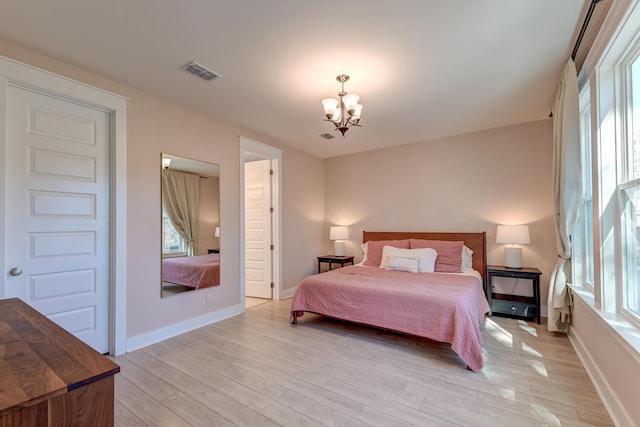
[
  {"x": 251, "y": 147},
  {"x": 18, "y": 74}
]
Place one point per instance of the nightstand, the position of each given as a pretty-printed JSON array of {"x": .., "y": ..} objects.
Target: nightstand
[
  {"x": 516, "y": 306},
  {"x": 333, "y": 259}
]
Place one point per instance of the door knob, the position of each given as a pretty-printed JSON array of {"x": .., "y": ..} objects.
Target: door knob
[{"x": 15, "y": 271}]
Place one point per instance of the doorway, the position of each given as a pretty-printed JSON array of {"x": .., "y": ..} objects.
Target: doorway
[{"x": 260, "y": 222}]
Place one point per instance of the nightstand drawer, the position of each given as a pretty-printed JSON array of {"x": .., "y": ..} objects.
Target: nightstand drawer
[{"x": 513, "y": 308}]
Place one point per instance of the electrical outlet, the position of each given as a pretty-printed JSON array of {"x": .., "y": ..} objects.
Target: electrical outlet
[{"x": 208, "y": 296}]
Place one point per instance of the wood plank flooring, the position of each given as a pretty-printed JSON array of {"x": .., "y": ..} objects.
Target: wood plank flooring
[
  {"x": 256, "y": 369},
  {"x": 250, "y": 302}
]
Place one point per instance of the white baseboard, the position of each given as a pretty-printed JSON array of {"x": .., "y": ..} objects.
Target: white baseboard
[
  {"x": 618, "y": 415},
  {"x": 157, "y": 335},
  {"x": 288, "y": 293}
]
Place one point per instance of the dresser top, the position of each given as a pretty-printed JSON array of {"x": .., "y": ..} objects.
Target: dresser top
[{"x": 39, "y": 359}]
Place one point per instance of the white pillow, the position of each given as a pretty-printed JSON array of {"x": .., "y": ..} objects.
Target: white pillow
[
  {"x": 398, "y": 263},
  {"x": 364, "y": 248},
  {"x": 426, "y": 257},
  {"x": 467, "y": 259}
]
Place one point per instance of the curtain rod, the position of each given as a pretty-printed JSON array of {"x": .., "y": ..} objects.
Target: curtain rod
[
  {"x": 583, "y": 30},
  {"x": 585, "y": 23},
  {"x": 190, "y": 173}
]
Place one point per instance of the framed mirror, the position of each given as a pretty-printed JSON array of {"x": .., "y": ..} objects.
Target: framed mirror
[{"x": 190, "y": 224}]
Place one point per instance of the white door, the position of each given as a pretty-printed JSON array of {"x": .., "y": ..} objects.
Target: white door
[
  {"x": 257, "y": 217},
  {"x": 57, "y": 212}
]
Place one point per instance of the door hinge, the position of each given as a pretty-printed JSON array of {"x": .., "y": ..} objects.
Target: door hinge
[
  {"x": 272, "y": 285},
  {"x": 272, "y": 247},
  {"x": 270, "y": 171},
  {"x": 271, "y": 210}
]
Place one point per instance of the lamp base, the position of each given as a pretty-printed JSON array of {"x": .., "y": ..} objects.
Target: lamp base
[
  {"x": 513, "y": 257},
  {"x": 339, "y": 248}
]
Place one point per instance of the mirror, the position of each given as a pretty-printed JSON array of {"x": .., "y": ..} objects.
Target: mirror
[{"x": 190, "y": 224}]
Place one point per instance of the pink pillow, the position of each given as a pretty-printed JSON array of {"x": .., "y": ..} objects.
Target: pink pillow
[
  {"x": 449, "y": 258},
  {"x": 374, "y": 250}
]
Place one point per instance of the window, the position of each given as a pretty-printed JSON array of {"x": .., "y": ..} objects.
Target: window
[
  {"x": 630, "y": 202},
  {"x": 629, "y": 191},
  {"x": 633, "y": 93},
  {"x": 171, "y": 240},
  {"x": 607, "y": 240},
  {"x": 582, "y": 236}
]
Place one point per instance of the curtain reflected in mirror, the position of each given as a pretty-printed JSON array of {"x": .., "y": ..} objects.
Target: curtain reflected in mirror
[{"x": 190, "y": 219}]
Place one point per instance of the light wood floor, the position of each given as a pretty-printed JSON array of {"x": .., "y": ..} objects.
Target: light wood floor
[
  {"x": 250, "y": 302},
  {"x": 256, "y": 369}
]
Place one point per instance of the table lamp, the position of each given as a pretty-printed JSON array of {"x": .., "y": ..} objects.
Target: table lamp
[
  {"x": 513, "y": 235},
  {"x": 339, "y": 234}
]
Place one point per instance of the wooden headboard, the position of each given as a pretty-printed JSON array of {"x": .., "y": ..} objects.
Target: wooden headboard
[{"x": 477, "y": 242}]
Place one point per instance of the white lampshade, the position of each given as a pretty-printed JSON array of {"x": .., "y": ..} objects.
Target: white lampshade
[
  {"x": 350, "y": 101},
  {"x": 358, "y": 112},
  {"x": 217, "y": 232},
  {"x": 513, "y": 235},
  {"x": 336, "y": 114},
  {"x": 330, "y": 105},
  {"x": 339, "y": 234}
]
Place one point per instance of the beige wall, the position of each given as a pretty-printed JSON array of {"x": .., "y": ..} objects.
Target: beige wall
[
  {"x": 303, "y": 224},
  {"x": 155, "y": 125},
  {"x": 469, "y": 182}
]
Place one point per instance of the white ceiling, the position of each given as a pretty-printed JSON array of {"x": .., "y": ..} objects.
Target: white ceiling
[{"x": 423, "y": 69}]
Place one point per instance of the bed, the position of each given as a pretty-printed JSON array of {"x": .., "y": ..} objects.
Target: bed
[
  {"x": 200, "y": 271},
  {"x": 443, "y": 305}
]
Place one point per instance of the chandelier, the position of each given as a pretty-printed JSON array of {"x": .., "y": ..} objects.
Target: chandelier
[{"x": 345, "y": 111}]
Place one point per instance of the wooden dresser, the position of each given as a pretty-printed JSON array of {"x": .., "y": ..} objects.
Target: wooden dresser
[{"x": 48, "y": 377}]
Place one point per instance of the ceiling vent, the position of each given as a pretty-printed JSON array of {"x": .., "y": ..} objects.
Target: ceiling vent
[
  {"x": 327, "y": 136},
  {"x": 200, "y": 71}
]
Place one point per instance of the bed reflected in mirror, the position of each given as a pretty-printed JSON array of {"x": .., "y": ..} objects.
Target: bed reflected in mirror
[{"x": 190, "y": 224}]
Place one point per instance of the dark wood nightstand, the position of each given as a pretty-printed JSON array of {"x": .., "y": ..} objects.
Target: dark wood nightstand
[
  {"x": 332, "y": 259},
  {"x": 213, "y": 251},
  {"x": 516, "y": 306}
]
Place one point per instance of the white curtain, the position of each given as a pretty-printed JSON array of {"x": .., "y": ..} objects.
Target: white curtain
[
  {"x": 181, "y": 201},
  {"x": 567, "y": 191}
]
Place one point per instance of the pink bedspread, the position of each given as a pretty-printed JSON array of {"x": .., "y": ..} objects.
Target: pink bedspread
[
  {"x": 441, "y": 306},
  {"x": 200, "y": 271}
]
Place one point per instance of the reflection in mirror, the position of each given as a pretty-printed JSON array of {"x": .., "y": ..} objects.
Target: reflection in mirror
[{"x": 190, "y": 218}]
